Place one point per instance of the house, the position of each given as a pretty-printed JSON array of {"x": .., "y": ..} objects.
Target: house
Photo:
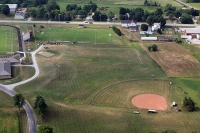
[
  {"x": 80, "y": 26},
  {"x": 12, "y": 7},
  {"x": 149, "y": 38},
  {"x": 5, "y": 67},
  {"x": 20, "y": 15},
  {"x": 155, "y": 26},
  {"x": 198, "y": 36}
]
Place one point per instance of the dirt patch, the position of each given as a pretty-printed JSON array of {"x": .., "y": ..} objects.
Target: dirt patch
[
  {"x": 150, "y": 101},
  {"x": 174, "y": 59},
  {"x": 45, "y": 54},
  {"x": 9, "y": 110}
]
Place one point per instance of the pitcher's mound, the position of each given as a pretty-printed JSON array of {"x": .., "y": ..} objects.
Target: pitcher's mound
[{"x": 150, "y": 101}]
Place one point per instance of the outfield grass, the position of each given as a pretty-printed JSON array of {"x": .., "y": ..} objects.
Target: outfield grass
[{"x": 8, "y": 37}]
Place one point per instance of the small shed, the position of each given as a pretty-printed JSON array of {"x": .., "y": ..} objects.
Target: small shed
[{"x": 80, "y": 26}]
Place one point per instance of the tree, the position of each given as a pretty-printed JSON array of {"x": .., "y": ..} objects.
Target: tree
[
  {"x": 111, "y": 15},
  {"x": 154, "y": 47},
  {"x": 44, "y": 129},
  {"x": 188, "y": 104},
  {"x": 40, "y": 106},
  {"x": 5, "y": 9},
  {"x": 158, "y": 12},
  {"x": 19, "y": 100},
  {"x": 82, "y": 13},
  {"x": 186, "y": 19},
  {"x": 150, "y": 19},
  {"x": 159, "y": 31},
  {"x": 149, "y": 48},
  {"x": 144, "y": 27},
  {"x": 41, "y": 12},
  {"x": 146, "y": 2},
  {"x": 93, "y": 7}
]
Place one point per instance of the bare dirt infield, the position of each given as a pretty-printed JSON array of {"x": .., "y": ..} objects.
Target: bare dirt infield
[
  {"x": 150, "y": 101},
  {"x": 174, "y": 59}
]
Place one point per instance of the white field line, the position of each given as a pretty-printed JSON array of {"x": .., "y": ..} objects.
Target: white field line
[{"x": 138, "y": 55}]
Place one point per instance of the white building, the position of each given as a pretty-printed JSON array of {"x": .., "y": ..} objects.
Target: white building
[
  {"x": 26, "y": 36},
  {"x": 149, "y": 38},
  {"x": 20, "y": 15},
  {"x": 155, "y": 26},
  {"x": 12, "y": 7},
  {"x": 198, "y": 36}
]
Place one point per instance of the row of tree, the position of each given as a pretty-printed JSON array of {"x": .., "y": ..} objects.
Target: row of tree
[
  {"x": 117, "y": 31},
  {"x": 192, "y": 1}
]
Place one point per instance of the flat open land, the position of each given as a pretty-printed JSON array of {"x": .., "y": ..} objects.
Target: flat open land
[
  {"x": 175, "y": 60},
  {"x": 8, "y": 40}
]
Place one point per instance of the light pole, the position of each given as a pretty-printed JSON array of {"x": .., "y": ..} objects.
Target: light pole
[
  {"x": 58, "y": 70},
  {"x": 100, "y": 17},
  {"x": 95, "y": 36},
  {"x": 59, "y": 19}
]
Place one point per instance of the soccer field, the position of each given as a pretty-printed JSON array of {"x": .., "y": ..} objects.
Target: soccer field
[{"x": 8, "y": 39}]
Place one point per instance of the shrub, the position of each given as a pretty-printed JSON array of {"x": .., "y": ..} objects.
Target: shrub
[
  {"x": 154, "y": 47},
  {"x": 159, "y": 31},
  {"x": 188, "y": 104},
  {"x": 41, "y": 26}
]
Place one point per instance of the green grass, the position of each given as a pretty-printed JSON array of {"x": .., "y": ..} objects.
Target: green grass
[
  {"x": 9, "y": 121},
  {"x": 19, "y": 74},
  {"x": 195, "y": 5},
  {"x": 91, "y": 35},
  {"x": 8, "y": 41}
]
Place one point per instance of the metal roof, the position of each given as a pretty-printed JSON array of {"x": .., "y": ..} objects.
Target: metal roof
[{"x": 5, "y": 68}]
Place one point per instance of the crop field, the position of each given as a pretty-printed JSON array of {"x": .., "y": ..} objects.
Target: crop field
[
  {"x": 8, "y": 40},
  {"x": 175, "y": 60}
]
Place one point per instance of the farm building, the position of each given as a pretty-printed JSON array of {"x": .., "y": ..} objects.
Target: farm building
[
  {"x": 146, "y": 32},
  {"x": 149, "y": 38},
  {"x": 166, "y": 38},
  {"x": 186, "y": 37},
  {"x": 155, "y": 26},
  {"x": 12, "y": 7},
  {"x": 5, "y": 67},
  {"x": 191, "y": 31}
]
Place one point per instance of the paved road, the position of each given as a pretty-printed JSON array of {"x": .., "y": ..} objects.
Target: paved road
[{"x": 57, "y": 22}]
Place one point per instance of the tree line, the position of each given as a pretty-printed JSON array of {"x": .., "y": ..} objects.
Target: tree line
[
  {"x": 25, "y": 3},
  {"x": 141, "y": 15}
]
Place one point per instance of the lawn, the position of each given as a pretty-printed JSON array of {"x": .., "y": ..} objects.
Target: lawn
[
  {"x": 85, "y": 69},
  {"x": 92, "y": 35},
  {"x": 9, "y": 121},
  {"x": 8, "y": 37},
  {"x": 195, "y": 5}
]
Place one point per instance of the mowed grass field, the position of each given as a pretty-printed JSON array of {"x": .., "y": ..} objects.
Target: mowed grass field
[
  {"x": 92, "y": 35},
  {"x": 85, "y": 69},
  {"x": 8, "y": 40}
]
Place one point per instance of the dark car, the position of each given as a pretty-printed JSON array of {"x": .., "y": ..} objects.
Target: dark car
[{"x": 67, "y": 21}]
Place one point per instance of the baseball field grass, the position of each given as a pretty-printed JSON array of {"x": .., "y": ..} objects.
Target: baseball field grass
[{"x": 8, "y": 37}]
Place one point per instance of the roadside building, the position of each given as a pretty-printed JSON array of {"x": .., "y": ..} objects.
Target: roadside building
[
  {"x": 131, "y": 24},
  {"x": 192, "y": 31},
  {"x": 12, "y": 7},
  {"x": 26, "y": 36},
  {"x": 20, "y": 15}
]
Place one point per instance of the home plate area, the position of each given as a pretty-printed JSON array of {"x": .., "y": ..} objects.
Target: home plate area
[{"x": 150, "y": 101}]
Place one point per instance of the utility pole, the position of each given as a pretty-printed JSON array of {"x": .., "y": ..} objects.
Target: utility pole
[
  {"x": 58, "y": 70},
  {"x": 59, "y": 19}
]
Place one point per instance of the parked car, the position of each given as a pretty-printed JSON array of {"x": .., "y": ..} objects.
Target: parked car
[
  {"x": 67, "y": 21},
  {"x": 90, "y": 23},
  {"x": 86, "y": 21}
]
